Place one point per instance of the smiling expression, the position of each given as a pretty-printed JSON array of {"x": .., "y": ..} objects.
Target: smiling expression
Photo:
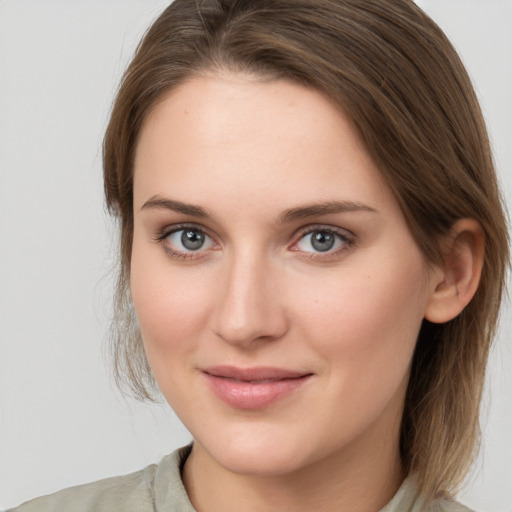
[{"x": 277, "y": 286}]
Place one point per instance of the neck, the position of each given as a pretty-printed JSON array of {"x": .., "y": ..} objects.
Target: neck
[{"x": 360, "y": 479}]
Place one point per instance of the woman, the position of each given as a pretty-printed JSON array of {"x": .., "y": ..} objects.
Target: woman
[{"x": 314, "y": 244}]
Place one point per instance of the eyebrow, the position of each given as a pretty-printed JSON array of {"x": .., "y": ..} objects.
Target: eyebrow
[
  {"x": 299, "y": 212},
  {"x": 176, "y": 206},
  {"x": 324, "y": 208}
]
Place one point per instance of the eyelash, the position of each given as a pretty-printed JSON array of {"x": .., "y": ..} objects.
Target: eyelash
[
  {"x": 347, "y": 238},
  {"x": 179, "y": 255}
]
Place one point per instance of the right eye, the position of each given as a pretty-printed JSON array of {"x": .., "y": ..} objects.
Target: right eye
[{"x": 185, "y": 241}]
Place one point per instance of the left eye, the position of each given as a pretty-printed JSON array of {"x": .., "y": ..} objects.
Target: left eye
[
  {"x": 189, "y": 240},
  {"x": 321, "y": 240}
]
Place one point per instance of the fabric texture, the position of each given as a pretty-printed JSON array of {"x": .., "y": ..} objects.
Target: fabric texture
[{"x": 159, "y": 488}]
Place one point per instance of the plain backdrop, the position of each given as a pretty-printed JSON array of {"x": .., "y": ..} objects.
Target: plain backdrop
[{"x": 61, "y": 420}]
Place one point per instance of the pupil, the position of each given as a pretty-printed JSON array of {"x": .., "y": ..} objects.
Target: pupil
[
  {"x": 192, "y": 240},
  {"x": 322, "y": 240}
]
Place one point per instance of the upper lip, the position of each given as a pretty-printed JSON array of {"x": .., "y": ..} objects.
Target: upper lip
[{"x": 259, "y": 373}]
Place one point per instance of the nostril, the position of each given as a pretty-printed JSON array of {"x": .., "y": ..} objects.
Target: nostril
[{"x": 248, "y": 308}]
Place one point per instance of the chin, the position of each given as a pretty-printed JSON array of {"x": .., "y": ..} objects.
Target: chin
[
  {"x": 260, "y": 451},
  {"x": 259, "y": 461}
]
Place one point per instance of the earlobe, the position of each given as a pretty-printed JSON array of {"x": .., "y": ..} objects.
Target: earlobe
[{"x": 455, "y": 281}]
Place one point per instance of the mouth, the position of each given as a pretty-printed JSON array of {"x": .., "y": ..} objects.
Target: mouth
[{"x": 253, "y": 388}]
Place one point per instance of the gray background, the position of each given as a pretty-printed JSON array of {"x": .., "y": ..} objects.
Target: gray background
[{"x": 61, "y": 420}]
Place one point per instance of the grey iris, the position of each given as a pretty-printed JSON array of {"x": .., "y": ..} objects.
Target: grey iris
[
  {"x": 192, "y": 240},
  {"x": 322, "y": 240}
]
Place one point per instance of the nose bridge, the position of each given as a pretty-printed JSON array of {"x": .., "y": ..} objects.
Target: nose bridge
[{"x": 249, "y": 307}]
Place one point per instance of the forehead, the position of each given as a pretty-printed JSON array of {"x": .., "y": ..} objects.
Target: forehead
[{"x": 234, "y": 134}]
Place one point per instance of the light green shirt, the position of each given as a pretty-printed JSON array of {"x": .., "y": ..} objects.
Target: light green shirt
[{"x": 159, "y": 488}]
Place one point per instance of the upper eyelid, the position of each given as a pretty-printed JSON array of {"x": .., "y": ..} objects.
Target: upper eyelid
[
  {"x": 348, "y": 238},
  {"x": 324, "y": 227},
  {"x": 297, "y": 235},
  {"x": 162, "y": 235},
  {"x": 176, "y": 253},
  {"x": 173, "y": 228}
]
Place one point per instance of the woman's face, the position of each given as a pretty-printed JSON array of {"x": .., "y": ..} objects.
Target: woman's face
[{"x": 278, "y": 288}]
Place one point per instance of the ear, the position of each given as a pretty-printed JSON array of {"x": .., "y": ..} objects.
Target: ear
[{"x": 455, "y": 280}]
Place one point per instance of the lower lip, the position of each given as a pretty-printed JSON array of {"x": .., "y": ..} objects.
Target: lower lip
[{"x": 253, "y": 395}]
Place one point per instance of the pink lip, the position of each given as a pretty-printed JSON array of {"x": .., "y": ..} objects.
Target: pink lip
[{"x": 253, "y": 388}]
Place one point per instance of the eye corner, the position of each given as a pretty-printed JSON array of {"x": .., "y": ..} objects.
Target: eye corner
[
  {"x": 337, "y": 242},
  {"x": 173, "y": 239}
]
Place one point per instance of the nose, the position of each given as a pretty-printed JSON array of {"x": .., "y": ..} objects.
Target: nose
[{"x": 250, "y": 306}]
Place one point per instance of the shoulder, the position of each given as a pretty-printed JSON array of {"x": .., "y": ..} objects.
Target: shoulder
[
  {"x": 444, "y": 505},
  {"x": 132, "y": 492},
  {"x": 448, "y": 506},
  {"x": 142, "y": 491},
  {"x": 408, "y": 499}
]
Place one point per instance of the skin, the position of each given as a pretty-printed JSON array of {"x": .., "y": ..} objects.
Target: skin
[{"x": 258, "y": 293}]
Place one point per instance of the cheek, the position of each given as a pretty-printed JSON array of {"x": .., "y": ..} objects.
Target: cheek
[
  {"x": 365, "y": 331},
  {"x": 368, "y": 320},
  {"x": 171, "y": 306}
]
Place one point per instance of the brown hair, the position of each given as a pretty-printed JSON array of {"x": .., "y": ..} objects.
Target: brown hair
[{"x": 393, "y": 71}]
